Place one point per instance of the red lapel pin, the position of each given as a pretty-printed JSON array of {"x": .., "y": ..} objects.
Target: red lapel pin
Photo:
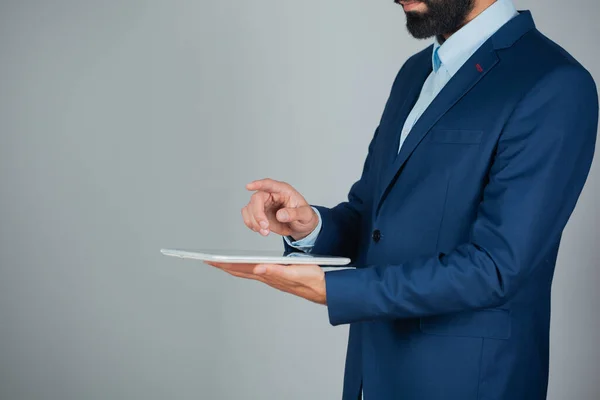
[{"x": 479, "y": 67}]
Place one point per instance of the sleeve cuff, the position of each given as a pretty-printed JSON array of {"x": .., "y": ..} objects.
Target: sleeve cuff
[
  {"x": 348, "y": 297},
  {"x": 308, "y": 242}
]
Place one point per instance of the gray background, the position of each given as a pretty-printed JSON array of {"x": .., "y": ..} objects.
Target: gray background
[{"x": 127, "y": 126}]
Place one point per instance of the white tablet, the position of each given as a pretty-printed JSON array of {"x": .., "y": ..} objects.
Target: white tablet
[{"x": 256, "y": 257}]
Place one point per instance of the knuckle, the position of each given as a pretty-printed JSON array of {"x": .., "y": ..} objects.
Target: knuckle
[
  {"x": 257, "y": 198},
  {"x": 262, "y": 196}
]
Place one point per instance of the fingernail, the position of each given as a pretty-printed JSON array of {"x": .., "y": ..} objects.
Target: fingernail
[
  {"x": 261, "y": 269},
  {"x": 264, "y": 232},
  {"x": 283, "y": 216},
  {"x": 264, "y": 224}
]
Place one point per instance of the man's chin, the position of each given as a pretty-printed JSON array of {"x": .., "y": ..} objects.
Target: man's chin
[{"x": 418, "y": 27}]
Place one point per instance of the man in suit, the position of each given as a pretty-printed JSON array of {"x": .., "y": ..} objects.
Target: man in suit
[{"x": 454, "y": 226}]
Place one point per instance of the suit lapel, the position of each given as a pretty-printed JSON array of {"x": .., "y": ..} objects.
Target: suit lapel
[
  {"x": 461, "y": 83},
  {"x": 406, "y": 101}
]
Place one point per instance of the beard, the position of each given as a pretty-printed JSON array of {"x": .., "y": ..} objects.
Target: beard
[{"x": 442, "y": 17}]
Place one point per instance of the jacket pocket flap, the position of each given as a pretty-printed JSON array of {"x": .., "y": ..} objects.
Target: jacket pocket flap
[{"x": 493, "y": 324}]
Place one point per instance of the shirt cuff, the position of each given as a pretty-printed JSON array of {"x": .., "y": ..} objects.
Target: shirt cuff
[{"x": 308, "y": 242}]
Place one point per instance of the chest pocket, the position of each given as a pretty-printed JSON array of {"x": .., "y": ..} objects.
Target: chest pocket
[{"x": 455, "y": 136}]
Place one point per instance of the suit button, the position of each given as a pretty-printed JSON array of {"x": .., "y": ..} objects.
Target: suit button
[{"x": 376, "y": 235}]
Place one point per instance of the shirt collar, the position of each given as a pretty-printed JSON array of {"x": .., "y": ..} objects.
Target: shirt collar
[{"x": 455, "y": 51}]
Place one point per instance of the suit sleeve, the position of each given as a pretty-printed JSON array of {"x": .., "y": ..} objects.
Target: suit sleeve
[{"x": 542, "y": 161}]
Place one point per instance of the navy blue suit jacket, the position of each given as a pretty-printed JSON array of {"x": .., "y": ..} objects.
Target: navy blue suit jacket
[{"x": 455, "y": 239}]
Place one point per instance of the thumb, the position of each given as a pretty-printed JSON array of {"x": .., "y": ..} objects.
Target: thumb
[{"x": 302, "y": 214}]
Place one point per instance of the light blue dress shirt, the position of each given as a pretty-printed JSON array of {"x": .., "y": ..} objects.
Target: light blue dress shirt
[{"x": 447, "y": 59}]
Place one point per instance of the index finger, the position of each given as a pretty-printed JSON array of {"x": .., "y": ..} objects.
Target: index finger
[{"x": 268, "y": 185}]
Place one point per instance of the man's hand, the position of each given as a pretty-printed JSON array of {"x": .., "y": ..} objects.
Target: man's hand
[
  {"x": 306, "y": 281},
  {"x": 278, "y": 207}
]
